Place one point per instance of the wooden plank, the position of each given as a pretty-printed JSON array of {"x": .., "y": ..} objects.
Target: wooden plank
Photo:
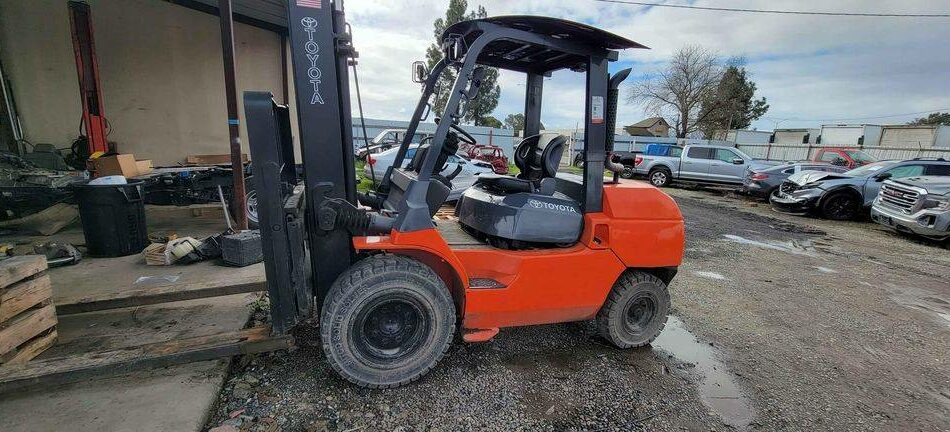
[
  {"x": 46, "y": 222},
  {"x": 56, "y": 371},
  {"x": 13, "y": 270},
  {"x": 24, "y": 295},
  {"x": 25, "y": 326},
  {"x": 160, "y": 294},
  {"x": 212, "y": 159},
  {"x": 32, "y": 348}
]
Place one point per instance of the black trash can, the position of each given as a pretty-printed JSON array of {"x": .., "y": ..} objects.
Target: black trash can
[{"x": 113, "y": 218}]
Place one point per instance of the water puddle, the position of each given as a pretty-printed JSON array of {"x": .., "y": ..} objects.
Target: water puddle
[
  {"x": 793, "y": 247},
  {"x": 920, "y": 299},
  {"x": 709, "y": 275},
  {"x": 717, "y": 387}
]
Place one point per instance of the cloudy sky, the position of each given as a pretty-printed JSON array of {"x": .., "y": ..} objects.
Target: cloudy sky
[{"x": 812, "y": 69}]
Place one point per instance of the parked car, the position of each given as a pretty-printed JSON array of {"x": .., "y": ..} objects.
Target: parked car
[
  {"x": 470, "y": 169},
  {"x": 385, "y": 140},
  {"x": 917, "y": 205},
  {"x": 761, "y": 182},
  {"x": 699, "y": 163},
  {"x": 841, "y": 156},
  {"x": 850, "y": 194}
]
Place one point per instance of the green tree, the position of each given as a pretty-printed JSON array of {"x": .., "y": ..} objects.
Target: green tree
[
  {"x": 490, "y": 121},
  {"x": 937, "y": 118},
  {"x": 478, "y": 109},
  {"x": 515, "y": 122},
  {"x": 733, "y": 104}
]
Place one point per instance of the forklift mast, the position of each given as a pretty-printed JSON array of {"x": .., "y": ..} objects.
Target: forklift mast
[
  {"x": 321, "y": 50},
  {"x": 290, "y": 225}
]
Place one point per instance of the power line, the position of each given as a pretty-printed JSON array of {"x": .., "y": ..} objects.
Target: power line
[
  {"x": 862, "y": 118},
  {"x": 782, "y": 12}
]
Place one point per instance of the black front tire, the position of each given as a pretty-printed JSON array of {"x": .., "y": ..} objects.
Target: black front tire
[
  {"x": 386, "y": 321},
  {"x": 635, "y": 311},
  {"x": 840, "y": 206}
]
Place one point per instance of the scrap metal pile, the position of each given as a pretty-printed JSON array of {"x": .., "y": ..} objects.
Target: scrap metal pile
[{"x": 26, "y": 188}]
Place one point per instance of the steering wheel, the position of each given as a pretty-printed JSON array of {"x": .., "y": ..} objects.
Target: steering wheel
[{"x": 465, "y": 138}]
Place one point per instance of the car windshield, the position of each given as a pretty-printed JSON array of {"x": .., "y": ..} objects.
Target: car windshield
[
  {"x": 860, "y": 156},
  {"x": 868, "y": 169}
]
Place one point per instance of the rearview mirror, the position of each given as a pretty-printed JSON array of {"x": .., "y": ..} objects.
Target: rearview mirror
[
  {"x": 883, "y": 176},
  {"x": 475, "y": 83},
  {"x": 738, "y": 161},
  {"x": 419, "y": 72}
]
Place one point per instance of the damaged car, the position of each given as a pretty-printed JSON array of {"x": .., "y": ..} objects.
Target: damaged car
[{"x": 848, "y": 195}]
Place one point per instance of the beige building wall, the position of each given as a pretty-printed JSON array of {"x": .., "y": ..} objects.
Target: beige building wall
[
  {"x": 908, "y": 136},
  {"x": 160, "y": 69}
]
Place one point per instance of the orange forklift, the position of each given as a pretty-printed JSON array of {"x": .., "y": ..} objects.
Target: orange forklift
[{"x": 392, "y": 284}]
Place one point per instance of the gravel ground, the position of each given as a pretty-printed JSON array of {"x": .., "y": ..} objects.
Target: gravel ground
[{"x": 784, "y": 323}]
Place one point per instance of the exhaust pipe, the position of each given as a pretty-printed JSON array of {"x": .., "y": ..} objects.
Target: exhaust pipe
[{"x": 613, "y": 93}]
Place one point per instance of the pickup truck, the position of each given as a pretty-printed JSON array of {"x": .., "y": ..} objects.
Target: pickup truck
[
  {"x": 849, "y": 158},
  {"x": 916, "y": 205},
  {"x": 697, "y": 162}
]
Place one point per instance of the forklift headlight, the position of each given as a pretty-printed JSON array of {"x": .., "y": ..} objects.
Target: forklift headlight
[{"x": 940, "y": 203}]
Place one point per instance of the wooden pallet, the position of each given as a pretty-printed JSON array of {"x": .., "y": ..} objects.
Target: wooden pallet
[
  {"x": 27, "y": 313},
  {"x": 49, "y": 372},
  {"x": 446, "y": 212}
]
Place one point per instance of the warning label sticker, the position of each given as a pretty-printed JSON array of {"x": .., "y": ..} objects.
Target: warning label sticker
[{"x": 597, "y": 109}]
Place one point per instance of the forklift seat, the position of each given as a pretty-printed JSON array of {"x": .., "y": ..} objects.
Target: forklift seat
[
  {"x": 537, "y": 157},
  {"x": 524, "y": 211}
]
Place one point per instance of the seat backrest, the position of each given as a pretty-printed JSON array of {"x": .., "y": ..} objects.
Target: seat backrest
[{"x": 539, "y": 156}]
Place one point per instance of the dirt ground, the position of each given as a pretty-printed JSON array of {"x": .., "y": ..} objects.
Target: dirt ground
[{"x": 779, "y": 323}]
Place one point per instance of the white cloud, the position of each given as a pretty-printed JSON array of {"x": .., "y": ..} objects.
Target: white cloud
[{"x": 809, "y": 67}]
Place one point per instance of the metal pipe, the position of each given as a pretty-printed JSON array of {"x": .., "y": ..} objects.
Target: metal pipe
[{"x": 230, "y": 90}]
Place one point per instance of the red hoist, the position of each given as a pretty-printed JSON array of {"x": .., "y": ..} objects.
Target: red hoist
[{"x": 94, "y": 121}]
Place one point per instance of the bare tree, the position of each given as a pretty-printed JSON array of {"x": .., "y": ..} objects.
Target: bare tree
[{"x": 678, "y": 92}]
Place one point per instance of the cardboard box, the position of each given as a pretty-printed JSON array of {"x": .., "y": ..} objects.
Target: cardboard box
[
  {"x": 143, "y": 166},
  {"x": 123, "y": 165}
]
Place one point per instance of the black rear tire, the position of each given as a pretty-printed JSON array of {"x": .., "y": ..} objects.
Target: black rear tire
[
  {"x": 660, "y": 177},
  {"x": 628, "y": 172},
  {"x": 840, "y": 206},
  {"x": 386, "y": 321},
  {"x": 636, "y": 310}
]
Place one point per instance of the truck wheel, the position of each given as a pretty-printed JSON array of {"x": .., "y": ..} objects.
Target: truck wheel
[
  {"x": 635, "y": 311},
  {"x": 660, "y": 177},
  {"x": 386, "y": 321},
  {"x": 250, "y": 209},
  {"x": 840, "y": 206},
  {"x": 628, "y": 172}
]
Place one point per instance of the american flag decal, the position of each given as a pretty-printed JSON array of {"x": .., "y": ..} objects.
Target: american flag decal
[{"x": 309, "y": 3}]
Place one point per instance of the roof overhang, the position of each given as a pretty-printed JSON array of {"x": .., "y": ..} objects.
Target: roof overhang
[{"x": 266, "y": 14}]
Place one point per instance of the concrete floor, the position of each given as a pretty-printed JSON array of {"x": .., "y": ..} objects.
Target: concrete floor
[{"x": 170, "y": 399}]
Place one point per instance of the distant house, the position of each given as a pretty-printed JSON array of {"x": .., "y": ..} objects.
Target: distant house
[{"x": 652, "y": 127}]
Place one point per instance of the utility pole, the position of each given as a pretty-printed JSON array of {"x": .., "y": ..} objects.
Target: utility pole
[{"x": 238, "y": 205}]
